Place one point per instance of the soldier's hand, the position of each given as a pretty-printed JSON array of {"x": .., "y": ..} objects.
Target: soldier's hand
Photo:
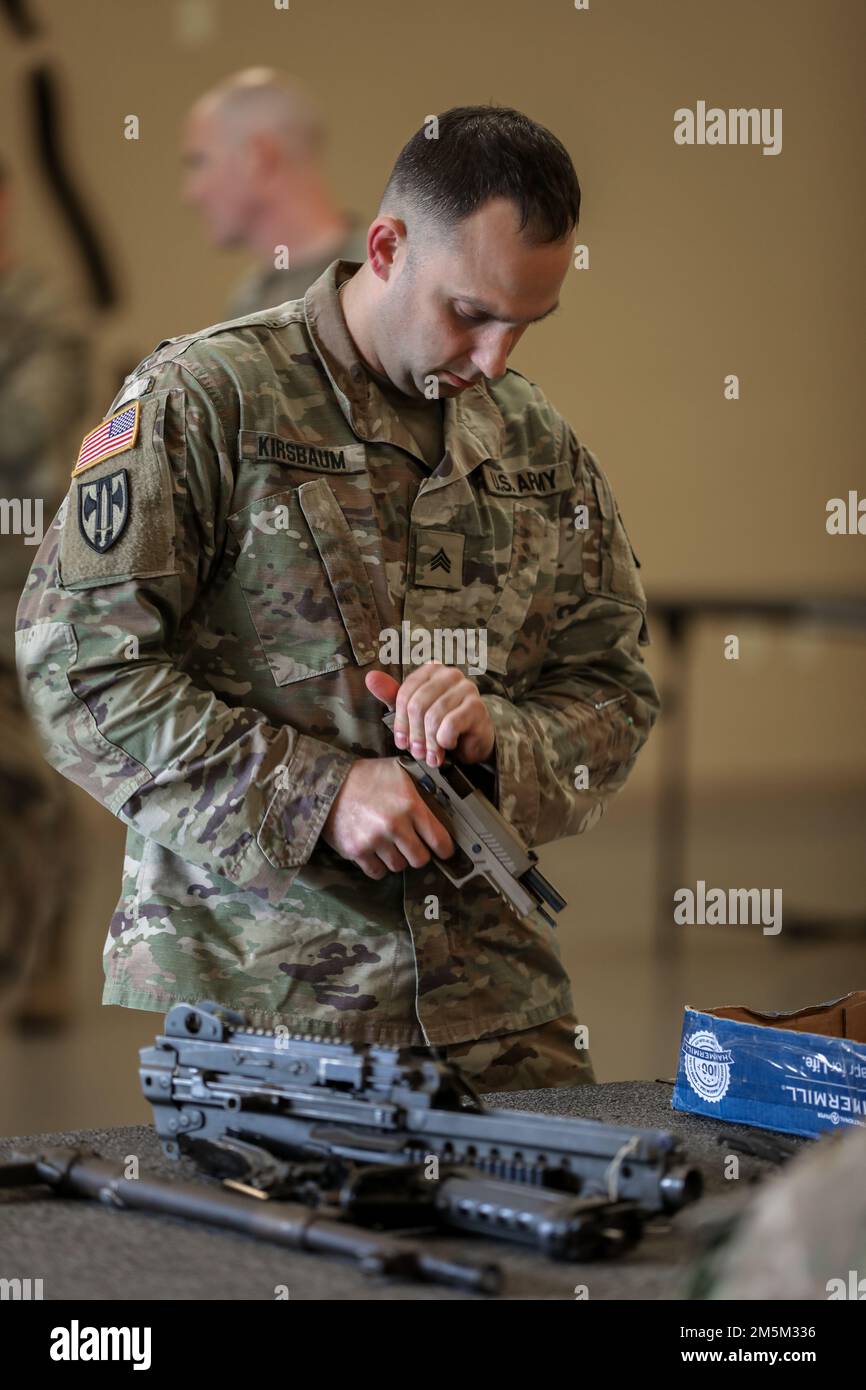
[
  {"x": 380, "y": 821},
  {"x": 436, "y": 707}
]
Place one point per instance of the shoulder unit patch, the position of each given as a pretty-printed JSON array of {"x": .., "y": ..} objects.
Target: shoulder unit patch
[{"x": 103, "y": 509}]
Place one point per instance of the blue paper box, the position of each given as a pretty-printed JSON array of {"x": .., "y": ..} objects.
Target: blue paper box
[{"x": 772, "y": 1076}]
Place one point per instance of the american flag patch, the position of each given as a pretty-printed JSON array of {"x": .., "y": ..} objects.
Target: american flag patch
[{"x": 111, "y": 437}]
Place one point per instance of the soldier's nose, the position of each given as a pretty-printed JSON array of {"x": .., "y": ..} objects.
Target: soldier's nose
[{"x": 491, "y": 358}]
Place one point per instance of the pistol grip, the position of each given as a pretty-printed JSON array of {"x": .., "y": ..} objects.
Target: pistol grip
[{"x": 440, "y": 810}]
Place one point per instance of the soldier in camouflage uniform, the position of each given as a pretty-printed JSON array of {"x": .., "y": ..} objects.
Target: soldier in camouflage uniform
[
  {"x": 801, "y": 1236},
  {"x": 43, "y": 362},
  {"x": 201, "y": 639},
  {"x": 253, "y": 149}
]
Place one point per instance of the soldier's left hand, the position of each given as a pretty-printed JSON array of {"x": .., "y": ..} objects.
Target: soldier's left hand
[{"x": 436, "y": 708}]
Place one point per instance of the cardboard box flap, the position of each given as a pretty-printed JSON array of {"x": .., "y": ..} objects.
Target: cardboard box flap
[{"x": 837, "y": 1018}]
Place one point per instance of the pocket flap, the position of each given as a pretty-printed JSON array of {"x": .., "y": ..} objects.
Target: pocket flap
[{"x": 344, "y": 566}]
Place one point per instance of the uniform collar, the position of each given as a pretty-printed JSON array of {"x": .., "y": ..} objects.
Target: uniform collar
[{"x": 474, "y": 427}]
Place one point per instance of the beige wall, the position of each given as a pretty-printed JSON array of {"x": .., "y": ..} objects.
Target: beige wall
[{"x": 704, "y": 261}]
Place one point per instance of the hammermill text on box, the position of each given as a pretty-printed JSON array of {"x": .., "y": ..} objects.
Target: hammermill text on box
[{"x": 772, "y": 1076}]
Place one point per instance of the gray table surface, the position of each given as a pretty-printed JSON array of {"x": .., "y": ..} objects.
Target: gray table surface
[{"x": 82, "y": 1250}]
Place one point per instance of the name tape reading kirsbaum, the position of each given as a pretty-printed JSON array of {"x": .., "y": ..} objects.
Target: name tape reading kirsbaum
[{"x": 318, "y": 458}]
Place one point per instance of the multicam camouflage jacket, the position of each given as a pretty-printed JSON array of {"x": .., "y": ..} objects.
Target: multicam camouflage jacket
[
  {"x": 44, "y": 386},
  {"x": 244, "y": 533}
]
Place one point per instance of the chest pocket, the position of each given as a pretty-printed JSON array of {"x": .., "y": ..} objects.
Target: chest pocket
[{"x": 305, "y": 583}]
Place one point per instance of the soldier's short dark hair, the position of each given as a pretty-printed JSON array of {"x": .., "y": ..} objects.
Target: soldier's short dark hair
[{"x": 483, "y": 152}]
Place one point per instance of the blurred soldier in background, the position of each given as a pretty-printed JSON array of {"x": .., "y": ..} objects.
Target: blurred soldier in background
[
  {"x": 253, "y": 150},
  {"x": 42, "y": 397},
  {"x": 801, "y": 1236}
]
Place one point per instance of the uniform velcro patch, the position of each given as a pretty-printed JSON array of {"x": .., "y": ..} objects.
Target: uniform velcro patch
[
  {"x": 120, "y": 522},
  {"x": 439, "y": 559},
  {"x": 537, "y": 481},
  {"x": 113, "y": 436},
  {"x": 314, "y": 457},
  {"x": 103, "y": 509}
]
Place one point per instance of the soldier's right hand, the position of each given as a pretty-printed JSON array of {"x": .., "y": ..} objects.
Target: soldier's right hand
[{"x": 380, "y": 821}]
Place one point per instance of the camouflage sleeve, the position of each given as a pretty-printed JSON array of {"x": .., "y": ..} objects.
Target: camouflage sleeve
[
  {"x": 100, "y": 637},
  {"x": 568, "y": 744}
]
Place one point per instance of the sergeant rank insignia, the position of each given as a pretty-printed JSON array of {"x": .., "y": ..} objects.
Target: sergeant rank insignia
[
  {"x": 103, "y": 509},
  {"x": 111, "y": 437}
]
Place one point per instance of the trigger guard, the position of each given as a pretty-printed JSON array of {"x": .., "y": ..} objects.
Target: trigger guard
[{"x": 442, "y": 865}]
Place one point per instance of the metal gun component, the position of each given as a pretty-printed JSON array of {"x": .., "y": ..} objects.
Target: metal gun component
[
  {"x": 212, "y": 1077},
  {"x": 76, "y": 1172},
  {"x": 483, "y": 836},
  {"x": 562, "y": 1226}
]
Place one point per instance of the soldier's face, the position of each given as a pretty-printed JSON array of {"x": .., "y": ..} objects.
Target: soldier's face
[
  {"x": 458, "y": 311},
  {"x": 216, "y": 178}
]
